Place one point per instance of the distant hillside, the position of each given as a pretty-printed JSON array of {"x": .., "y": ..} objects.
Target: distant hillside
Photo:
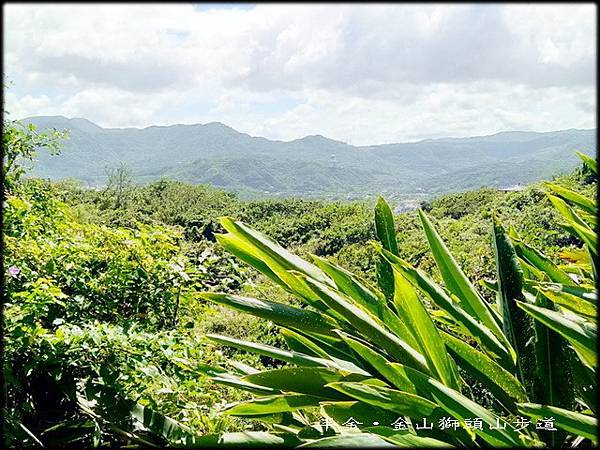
[{"x": 312, "y": 166}]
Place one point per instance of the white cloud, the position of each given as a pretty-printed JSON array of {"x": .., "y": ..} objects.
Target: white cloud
[
  {"x": 369, "y": 73},
  {"x": 444, "y": 110}
]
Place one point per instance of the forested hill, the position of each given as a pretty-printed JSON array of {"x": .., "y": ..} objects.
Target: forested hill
[{"x": 312, "y": 166}]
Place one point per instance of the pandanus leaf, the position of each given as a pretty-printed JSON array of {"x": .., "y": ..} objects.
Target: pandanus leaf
[
  {"x": 574, "y": 422},
  {"x": 518, "y": 327},
  {"x": 580, "y": 333},
  {"x": 466, "y": 322},
  {"x": 457, "y": 282},
  {"x": 386, "y": 233},
  {"x": 425, "y": 331}
]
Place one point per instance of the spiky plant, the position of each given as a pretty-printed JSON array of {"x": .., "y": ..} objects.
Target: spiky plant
[{"x": 410, "y": 349}]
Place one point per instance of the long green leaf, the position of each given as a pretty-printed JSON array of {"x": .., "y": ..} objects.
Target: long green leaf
[
  {"x": 541, "y": 262},
  {"x": 575, "y": 224},
  {"x": 349, "y": 284},
  {"x": 457, "y": 282},
  {"x": 461, "y": 408},
  {"x": 588, "y": 161},
  {"x": 573, "y": 197},
  {"x": 238, "y": 383},
  {"x": 261, "y": 261},
  {"x": 303, "y": 380},
  {"x": 330, "y": 347},
  {"x": 273, "y": 249},
  {"x": 402, "y": 377},
  {"x": 425, "y": 331},
  {"x": 312, "y": 345},
  {"x": 408, "y": 439},
  {"x": 272, "y": 405},
  {"x": 449, "y": 399},
  {"x": 582, "y": 335},
  {"x": 467, "y": 322},
  {"x": 284, "y": 355},
  {"x": 364, "y": 413},
  {"x": 370, "y": 300},
  {"x": 403, "y": 403},
  {"x": 571, "y": 302},
  {"x": 553, "y": 383},
  {"x": 584, "y": 292},
  {"x": 366, "y": 324},
  {"x": 247, "y": 253},
  {"x": 272, "y": 260},
  {"x": 386, "y": 233},
  {"x": 585, "y": 382},
  {"x": 518, "y": 327},
  {"x": 496, "y": 379},
  {"x": 358, "y": 440},
  {"x": 588, "y": 236},
  {"x": 278, "y": 313},
  {"x": 384, "y": 226},
  {"x": 380, "y": 364},
  {"x": 571, "y": 421}
]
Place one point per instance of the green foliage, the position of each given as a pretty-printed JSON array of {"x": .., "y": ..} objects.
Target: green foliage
[
  {"x": 410, "y": 371},
  {"x": 88, "y": 305},
  {"x": 218, "y": 155},
  {"x": 20, "y": 143},
  {"x": 108, "y": 273},
  {"x": 104, "y": 329}
]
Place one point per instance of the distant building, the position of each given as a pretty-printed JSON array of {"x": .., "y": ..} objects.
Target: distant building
[
  {"x": 514, "y": 188},
  {"x": 406, "y": 205},
  {"x": 332, "y": 162}
]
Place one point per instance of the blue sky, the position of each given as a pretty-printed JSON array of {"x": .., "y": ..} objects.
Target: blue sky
[{"x": 363, "y": 73}]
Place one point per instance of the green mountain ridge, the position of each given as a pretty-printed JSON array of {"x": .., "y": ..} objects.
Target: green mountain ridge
[{"x": 312, "y": 166}]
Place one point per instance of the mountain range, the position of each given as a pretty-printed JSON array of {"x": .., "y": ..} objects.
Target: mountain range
[{"x": 313, "y": 166}]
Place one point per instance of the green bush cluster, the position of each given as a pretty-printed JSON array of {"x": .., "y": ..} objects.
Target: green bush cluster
[{"x": 102, "y": 327}]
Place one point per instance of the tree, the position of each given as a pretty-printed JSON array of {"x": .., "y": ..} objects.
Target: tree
[
  {"x": 20, "y": 143},
  {"x": 118, "y": 185}
]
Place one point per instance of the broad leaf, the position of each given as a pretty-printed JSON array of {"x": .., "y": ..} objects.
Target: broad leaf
[
  {"x": 425, "y": 331},
  {"x": 467, "y": 323},
  {"x": 457, "y": 282},
  {"x": 518, "y": 327},
  {"x": 581, "y": 334},
  {"x": 386, "y": 233},
  {"x": 279, "y": 313},
  {"x": 494, "y": 377},
  {"x": 574, "y": 422},
  {"x": 272, "y": 405}
]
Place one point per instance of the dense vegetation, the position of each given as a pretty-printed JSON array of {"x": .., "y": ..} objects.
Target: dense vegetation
[
  {"x": 312, "y": 166},
  {"x": 105, "y": 333}
]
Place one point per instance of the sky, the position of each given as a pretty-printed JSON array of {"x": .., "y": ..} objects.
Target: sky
[{"x": 359, "y": 73}]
